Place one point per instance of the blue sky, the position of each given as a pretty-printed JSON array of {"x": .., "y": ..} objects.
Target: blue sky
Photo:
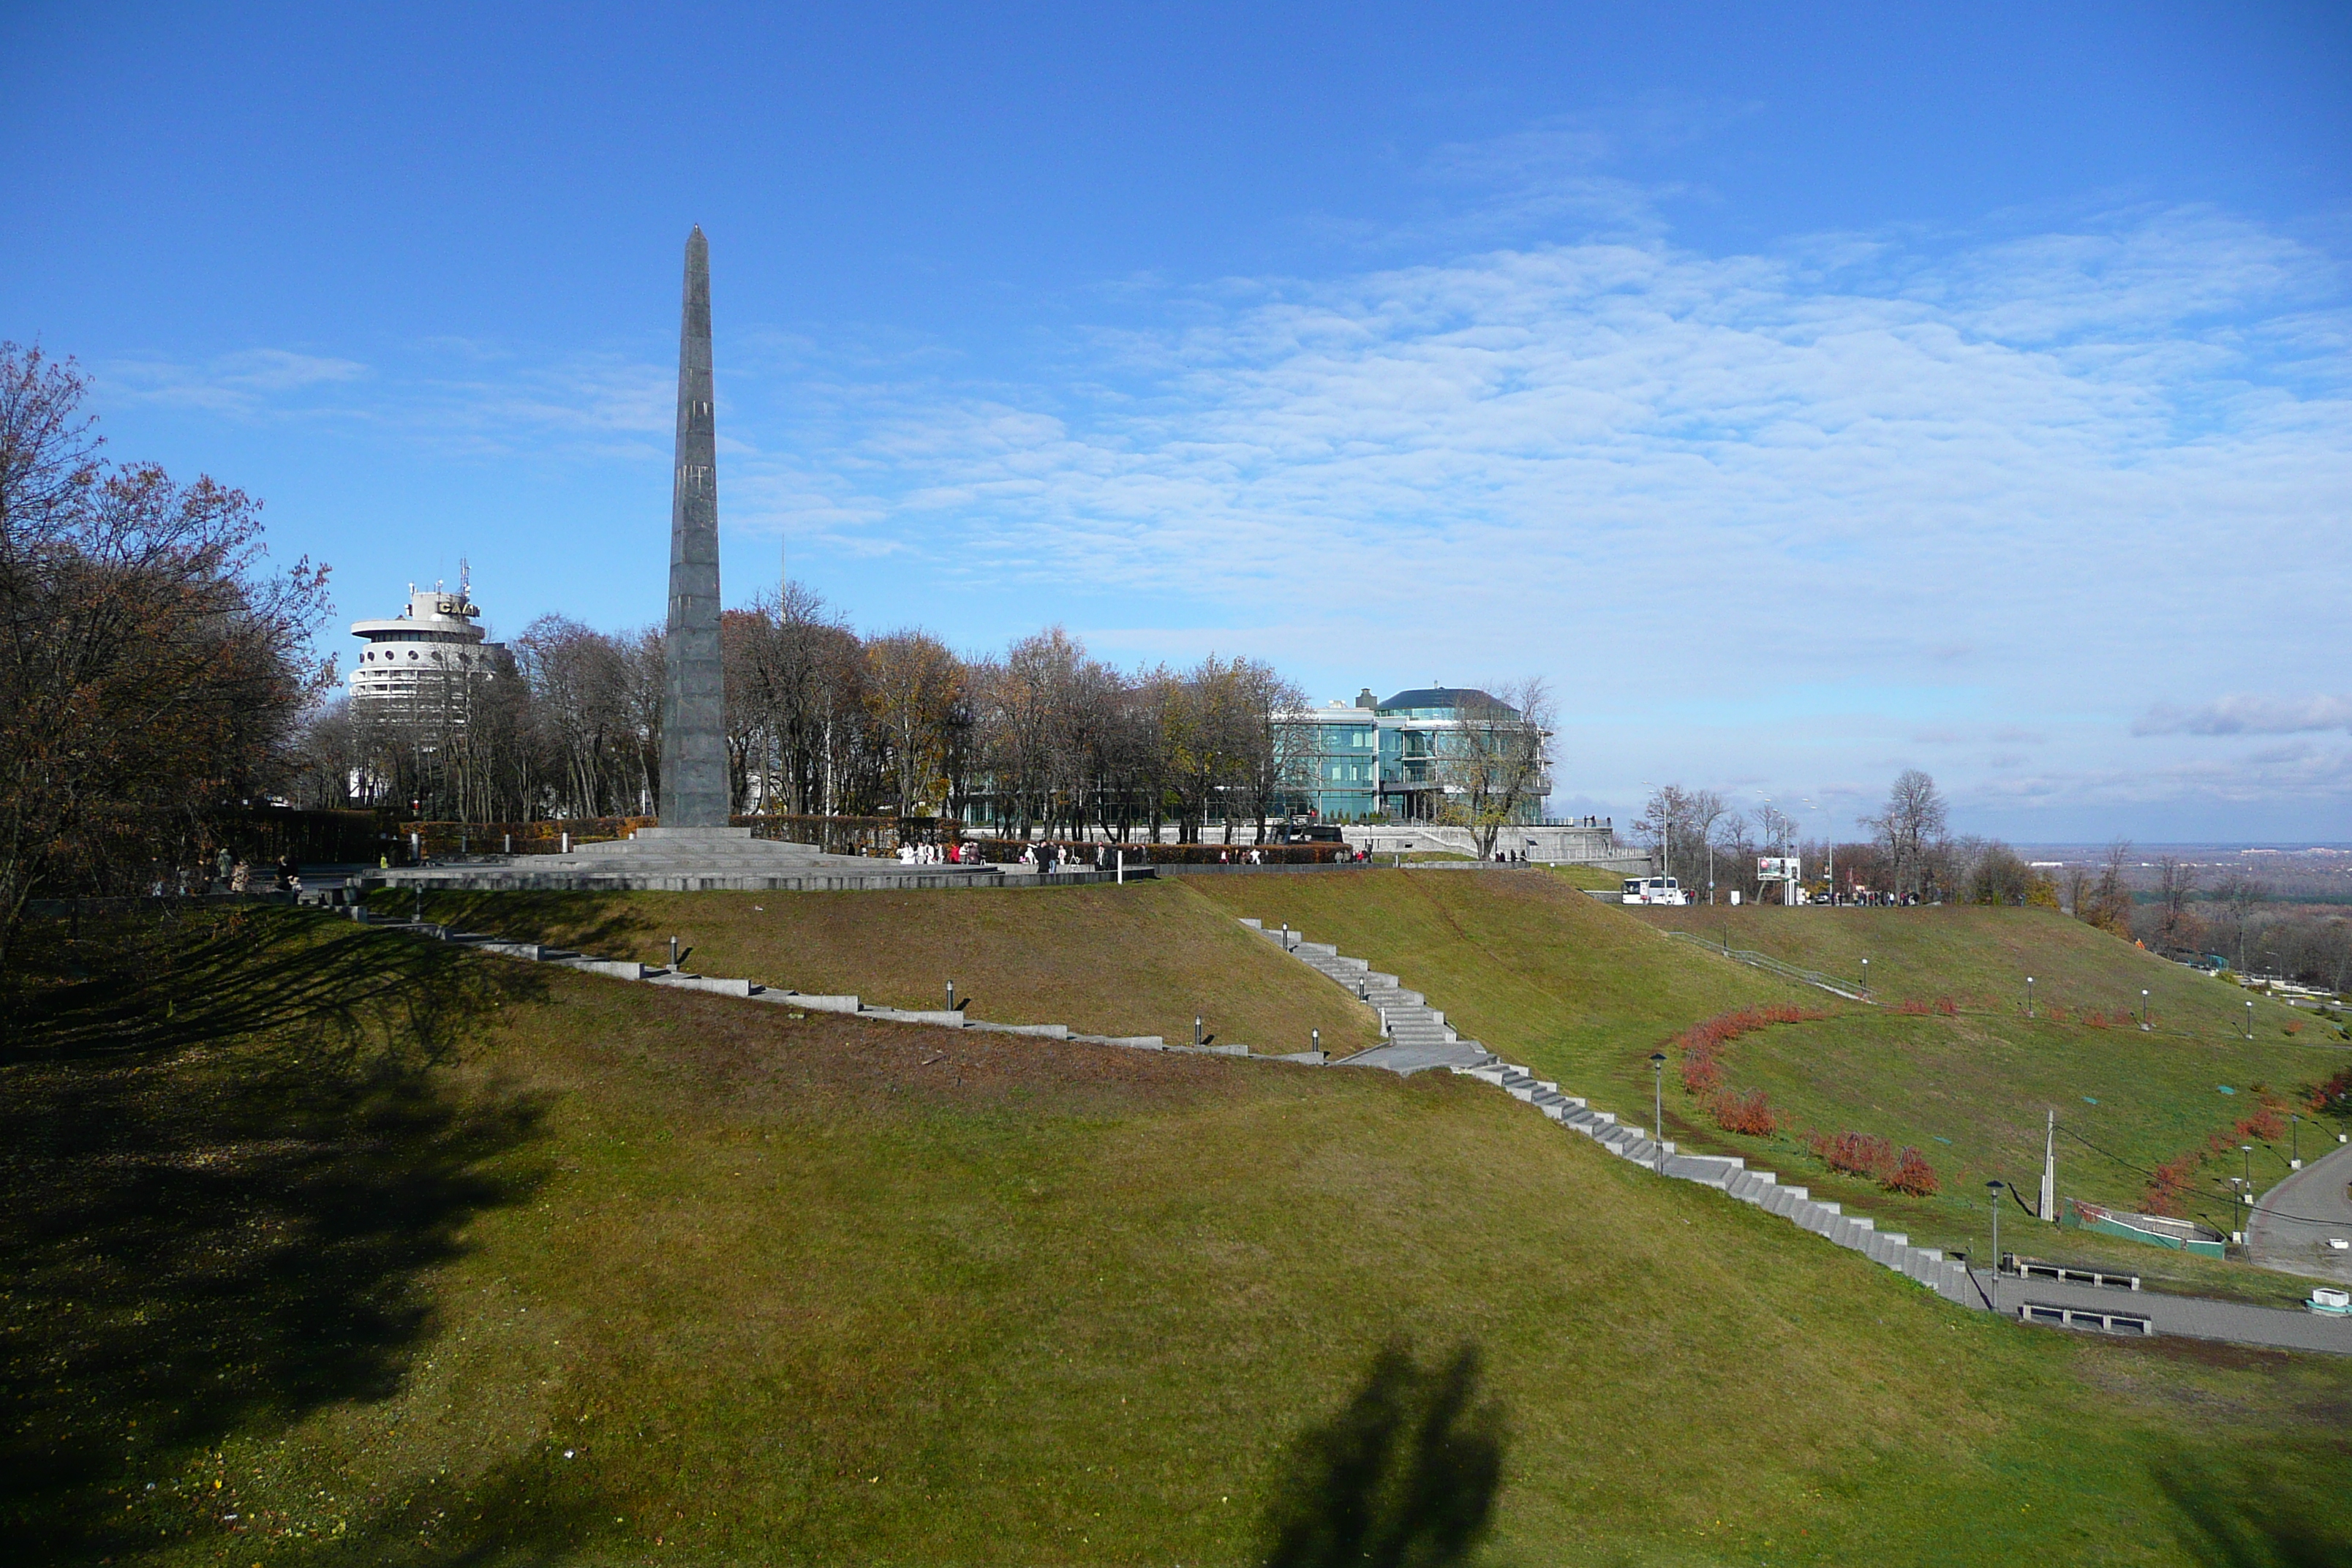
[{"x": 1808, "y": 392}]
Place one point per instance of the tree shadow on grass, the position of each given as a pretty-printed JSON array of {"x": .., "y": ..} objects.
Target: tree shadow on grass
[
  {"x": 536, "y": 1507},
  {"x": 605, "y": 924},
  {"x": 2286, "y": 1510},
  {"x": 1404, "y": 1477},
  {"x": 227, "y": 1166}
]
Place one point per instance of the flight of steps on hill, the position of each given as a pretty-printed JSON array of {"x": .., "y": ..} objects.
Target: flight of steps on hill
[
  {"x": 1415, "y": 1035},
  {"x": 1419, "y": 1038}
]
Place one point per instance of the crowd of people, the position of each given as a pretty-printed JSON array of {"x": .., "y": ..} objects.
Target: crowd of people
[{"x": 230, "y": 873}]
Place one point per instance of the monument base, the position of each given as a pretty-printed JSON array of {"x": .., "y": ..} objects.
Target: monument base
[{"x": 693, "y": 860}]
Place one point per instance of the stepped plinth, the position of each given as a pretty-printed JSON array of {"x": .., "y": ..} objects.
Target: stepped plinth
[{"x": 690, "y": 860}]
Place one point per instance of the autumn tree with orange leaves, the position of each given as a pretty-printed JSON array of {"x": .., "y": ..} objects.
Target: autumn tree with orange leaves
[{"x": 152, "y": 668}]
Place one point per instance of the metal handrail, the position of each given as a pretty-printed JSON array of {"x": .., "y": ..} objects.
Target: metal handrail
[{"x": 1848, "y": 989}]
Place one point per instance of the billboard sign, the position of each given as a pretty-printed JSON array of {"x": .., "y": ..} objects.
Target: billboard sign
[{"x": 1779, "y": 869}]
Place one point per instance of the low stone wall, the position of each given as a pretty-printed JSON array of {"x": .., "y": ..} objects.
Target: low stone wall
[{"x": 896, "y": 879}]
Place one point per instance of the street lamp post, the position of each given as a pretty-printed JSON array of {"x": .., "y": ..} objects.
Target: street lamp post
[
  {"x": 2028, "y": 997},
  {"x": 1994, "y": 1191},
  {"x": 2146, "y": 1013},
  {"x": 2246, "y": 1225},
  {"x": 1658, "y": 1092},
  {"x": 1866, "y": 981},
  {"x": 2295, "y": 1141}
]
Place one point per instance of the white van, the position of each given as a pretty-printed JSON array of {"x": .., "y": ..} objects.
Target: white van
[{"x": 1654, "y": 891}]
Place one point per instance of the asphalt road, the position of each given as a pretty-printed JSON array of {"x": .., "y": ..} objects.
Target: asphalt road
[{"x": 2294, "y": 1221}]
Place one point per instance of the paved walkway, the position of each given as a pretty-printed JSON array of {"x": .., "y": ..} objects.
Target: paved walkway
[
  {"x": 2294, "y": 1221},
  {"x": 1415, "y": 1037}
]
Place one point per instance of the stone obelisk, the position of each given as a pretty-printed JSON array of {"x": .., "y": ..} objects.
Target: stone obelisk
[{"x": 694, "y": 736}]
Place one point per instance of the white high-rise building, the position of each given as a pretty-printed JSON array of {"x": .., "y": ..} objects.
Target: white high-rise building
[{"x": 425, "y": 658}]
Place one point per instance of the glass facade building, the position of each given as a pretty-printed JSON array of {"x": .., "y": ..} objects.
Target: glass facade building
[{"x": 1349, "y": 762}]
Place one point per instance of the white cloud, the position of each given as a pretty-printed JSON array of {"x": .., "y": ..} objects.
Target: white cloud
[
  {"x": 238, "y": 384},
  {"x": 2245, "y": 714},
  {"x": 1992, "y": 495}
]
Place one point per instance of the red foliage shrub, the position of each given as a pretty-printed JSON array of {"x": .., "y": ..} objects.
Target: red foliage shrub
[
  {"x": 2264, "y": 1125},
  {"x": 1912, "y": 1007},
  {"x": 2334, "y": 1088},
  {"x": 1750, "y": 1113},
  {"x": 1914, "y": 1176},
  {"x": 1702, "y": 1074},
  {"x": 2092, "y": 1018},
  {"x": 1866, "y": 1154},
  {"x": 1947, "y": 1007},
  {"x": 1858, "y": 1153},
  {"x": 2055, "y": 1012},
  {"x": 1702, "y": 1066},
  {"x": 2167, "y": 1189}
]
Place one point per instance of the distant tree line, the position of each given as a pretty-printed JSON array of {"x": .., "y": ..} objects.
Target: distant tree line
[
  {"x": 1908, "y": 853},
  {"x": 820, "y": 721}
]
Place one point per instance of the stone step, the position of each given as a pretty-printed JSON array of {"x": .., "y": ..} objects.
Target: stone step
[
  {"x": 814, "y": 1003},
  {"x": 676, "y": 982},
  {"x": 945, "y": 1018}
]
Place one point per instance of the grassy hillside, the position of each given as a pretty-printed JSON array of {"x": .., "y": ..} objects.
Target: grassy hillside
[
  {"x": 1972, "y": 1089},
  {"x": 1584, "y": 992},
  {"x": 1522, "y": 959},
  {"x": 375, "y": 1252},
  {"x": 1144, "y": 959},
  {"x": 1979, "y": 957}
]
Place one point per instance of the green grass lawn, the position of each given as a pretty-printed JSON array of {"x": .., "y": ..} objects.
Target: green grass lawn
[
  {"x": 1584, "y": 991},
  {"x": 1522, "y": 959},
  {"x": 402, "y": 1255},
  {"x": 1592, "y": 879},
  {"x": 1980, "y": 958},
  {"x": 1972, "y": 1090},
  {"x": 1145, "y": 959}
]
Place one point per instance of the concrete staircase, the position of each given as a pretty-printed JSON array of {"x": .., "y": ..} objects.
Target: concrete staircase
[
  {"x": 1419, "y": 1038},
  {"x": 1415, "y": 1035}
]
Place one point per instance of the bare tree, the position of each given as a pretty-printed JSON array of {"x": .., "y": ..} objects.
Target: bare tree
[
  {"x": 2176, "y": 887},
  {"x": 1911, "y": 824},
  {"x": 1664, "y": 816},
  {"x": 1707, "y": 809},
  {"x": 2110, "y": 899},
  {"x": 1264, "y": 760},
  {"x": 1497, "y": 762},
  {"x": 2241, "y": 895}
]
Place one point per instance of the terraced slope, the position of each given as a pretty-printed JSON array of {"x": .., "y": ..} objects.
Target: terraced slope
[
  {"x": 632, "y": 1275},
  {"x": 1582, "y": 992},
  {"x": 1519, "y": 959},
  {"x": 1146, "y": 959}
]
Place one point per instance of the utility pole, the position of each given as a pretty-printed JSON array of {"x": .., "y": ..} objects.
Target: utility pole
[
  {"x": 1994, "y": 1190},
  {"x": 2049, "y": 1169}
]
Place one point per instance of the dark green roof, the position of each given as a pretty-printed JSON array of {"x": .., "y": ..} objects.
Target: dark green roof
[{"x": 1455, "y": 696}]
